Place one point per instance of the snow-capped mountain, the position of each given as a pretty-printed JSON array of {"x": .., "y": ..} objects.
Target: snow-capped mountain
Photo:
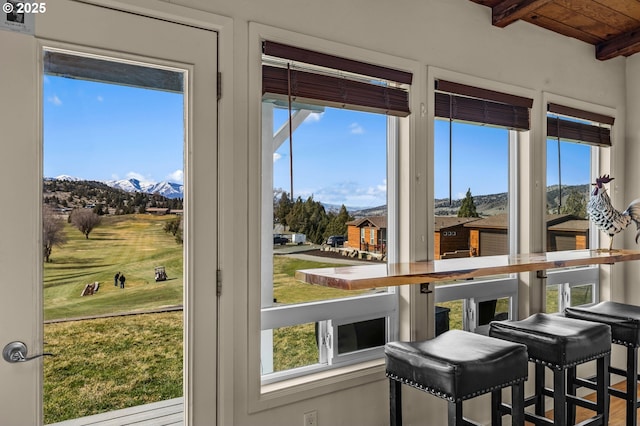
[
  {"x": 166, "y": 189},
  {"x": 67, "y": 177}
]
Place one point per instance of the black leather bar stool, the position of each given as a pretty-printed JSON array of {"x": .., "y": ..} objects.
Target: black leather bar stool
[
  {"x": 624, "y": 321},
  {"x": 458, "y": 365},
  {"x": 561, "y": 344}
]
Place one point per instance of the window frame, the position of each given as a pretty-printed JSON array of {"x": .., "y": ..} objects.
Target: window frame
[
  {"x": 484, "y": 289},
  {"x": 315, "y": 311},
  {"x": 569, "y": 278},
  {"x": 411, "y": 231}
]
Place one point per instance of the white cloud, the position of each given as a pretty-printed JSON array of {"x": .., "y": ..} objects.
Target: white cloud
[
  {"x": 314, "y": 117},
  {"x": 176, "y": 177},
  {"x": 356, "y": 129},
  {"x": 55, "y": 100},
  {"x": 349, "y": 193},
  {"x": 100, "y": 98},
  {"x": 276, "y": 156}
]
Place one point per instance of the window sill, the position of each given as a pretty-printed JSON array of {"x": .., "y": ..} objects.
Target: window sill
[{"x": 317, "y": 384}]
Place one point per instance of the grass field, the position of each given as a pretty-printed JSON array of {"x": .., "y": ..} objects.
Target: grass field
[
  {"x": 131, "y": 244},
  {"x": 111, "y": 363}
]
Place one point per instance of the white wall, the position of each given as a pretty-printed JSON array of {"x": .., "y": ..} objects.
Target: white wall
[{"x": 453, "y": 35}]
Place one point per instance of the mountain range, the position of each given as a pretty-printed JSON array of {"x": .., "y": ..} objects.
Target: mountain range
[{"x": 164, "y": 188}]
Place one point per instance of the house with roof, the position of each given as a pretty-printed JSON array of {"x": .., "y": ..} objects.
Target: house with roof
[
  {"x": 451, "y": 236},
  {"x": 567, "y": 232},
  {"x": 367, "y": 234},
  {"x": 488, "y": 236}
]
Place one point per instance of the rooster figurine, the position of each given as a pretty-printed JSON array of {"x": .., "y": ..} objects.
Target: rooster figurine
[{"x": 607, "y": 218}]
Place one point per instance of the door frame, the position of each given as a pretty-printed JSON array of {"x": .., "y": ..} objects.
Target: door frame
[{"x": 200, "y": 407}]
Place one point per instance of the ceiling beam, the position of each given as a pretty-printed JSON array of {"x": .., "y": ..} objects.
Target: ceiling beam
[
  {"x": 508, "y": 11},
  {"x": 625, "y": 45}
]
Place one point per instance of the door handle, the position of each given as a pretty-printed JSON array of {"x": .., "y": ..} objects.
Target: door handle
[{"x": 17, "y": 352}]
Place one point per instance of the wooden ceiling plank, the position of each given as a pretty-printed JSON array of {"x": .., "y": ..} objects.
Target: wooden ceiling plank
[
  {"x": 626, "y": 44},
  {"x": 578, "y": 21},
  {"x": 615, "y": 20},
  {"x": 560, "y": 28},
  {"x": 625, "y": 7},
  {"x": 508, "y": 11}
]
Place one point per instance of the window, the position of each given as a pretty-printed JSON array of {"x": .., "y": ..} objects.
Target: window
[
  {"x": 574, "y": 138},
  {"x": 476, "y": 137},
  {"x": 327, "y": 130}
]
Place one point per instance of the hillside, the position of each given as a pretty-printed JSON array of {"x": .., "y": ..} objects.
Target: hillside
[
  {"x": 66, "y": 194},
  {"x": 487, "y": 205}
]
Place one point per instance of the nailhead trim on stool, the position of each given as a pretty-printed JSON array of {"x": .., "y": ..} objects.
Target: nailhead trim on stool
[
  {"x": 458, "y": 365},
  {"x": 561, "y": 344}
]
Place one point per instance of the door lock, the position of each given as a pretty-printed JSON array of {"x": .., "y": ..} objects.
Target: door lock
[{"x": 17, "y": 352}]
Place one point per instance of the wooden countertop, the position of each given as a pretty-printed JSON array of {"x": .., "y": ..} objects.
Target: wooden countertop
[{"x": 382, "y": 275}]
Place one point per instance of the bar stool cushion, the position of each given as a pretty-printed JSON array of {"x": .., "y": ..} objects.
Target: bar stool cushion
[
  {"x": 623, "y": 319},
  {"x": 555, "y": 341},
  {"x": 457, "y": 365}
]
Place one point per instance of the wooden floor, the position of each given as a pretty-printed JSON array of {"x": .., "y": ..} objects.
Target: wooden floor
[
  {"x": 170, "y": 413},
  {"x": 163, "y": 413},
  {"x": 616, "y": 414}
]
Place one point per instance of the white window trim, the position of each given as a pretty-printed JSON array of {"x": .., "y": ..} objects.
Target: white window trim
[
  {"x": 269, "y": 396},
  {"x": 567, "y": 279},
  {"x": 600, "y": 160},
  {"x": 487, "y": 289},
  {"x": 308, "y": 312},
  {"x": 473, "y": 293}
]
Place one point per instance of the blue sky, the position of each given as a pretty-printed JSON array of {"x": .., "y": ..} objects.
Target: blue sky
[
  {"x": 103, "y": 131},
  {"x": 339, "y": 157}
]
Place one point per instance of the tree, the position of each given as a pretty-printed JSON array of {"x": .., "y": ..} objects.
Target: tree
[
  {"x": 468, "y": 207},
  {"x": 85, "y": 220},
  {"x": 282, "y": 206},
  {"x": 52, "y": 231},
  {"x": 310, "y": 218},
  {"x": 338, "y": 223},
  {"x": 575, "y": 204}
]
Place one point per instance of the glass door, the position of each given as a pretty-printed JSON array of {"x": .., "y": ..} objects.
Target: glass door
[{"x": 85, "y": 50}]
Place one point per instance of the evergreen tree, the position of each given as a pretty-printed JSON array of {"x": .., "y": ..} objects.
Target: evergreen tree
[
  {"x": 338, "y": 223},
  {"x": 468, "y": 207},
  {"x": 282, "y": 206}
]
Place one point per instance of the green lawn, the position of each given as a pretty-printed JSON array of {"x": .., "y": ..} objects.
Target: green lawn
[
  {"x": 131, "y": 244},
  {"x": 111, "y": 363}
]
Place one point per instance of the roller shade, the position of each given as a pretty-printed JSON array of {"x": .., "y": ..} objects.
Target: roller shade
[
  {"x": 477, "y": 105},
  {"x": 591, "y": 134},
  {"x": 319, "y": 88}
]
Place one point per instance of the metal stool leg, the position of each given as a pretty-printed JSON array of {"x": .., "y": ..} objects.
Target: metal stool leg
[
  {"x": 559, "y": 398},
  {"x": 602, "y": 389},
  {"x": 539, "y": 386},
  {"x": 572, "y": 389},
  {"x": 517, "y": 405},
  {"x": 632, "y": 386},
  {"x": 455, "y": 414},
  {"x": 496, "y": 403},
  {"x": 395, "y": 403}
]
